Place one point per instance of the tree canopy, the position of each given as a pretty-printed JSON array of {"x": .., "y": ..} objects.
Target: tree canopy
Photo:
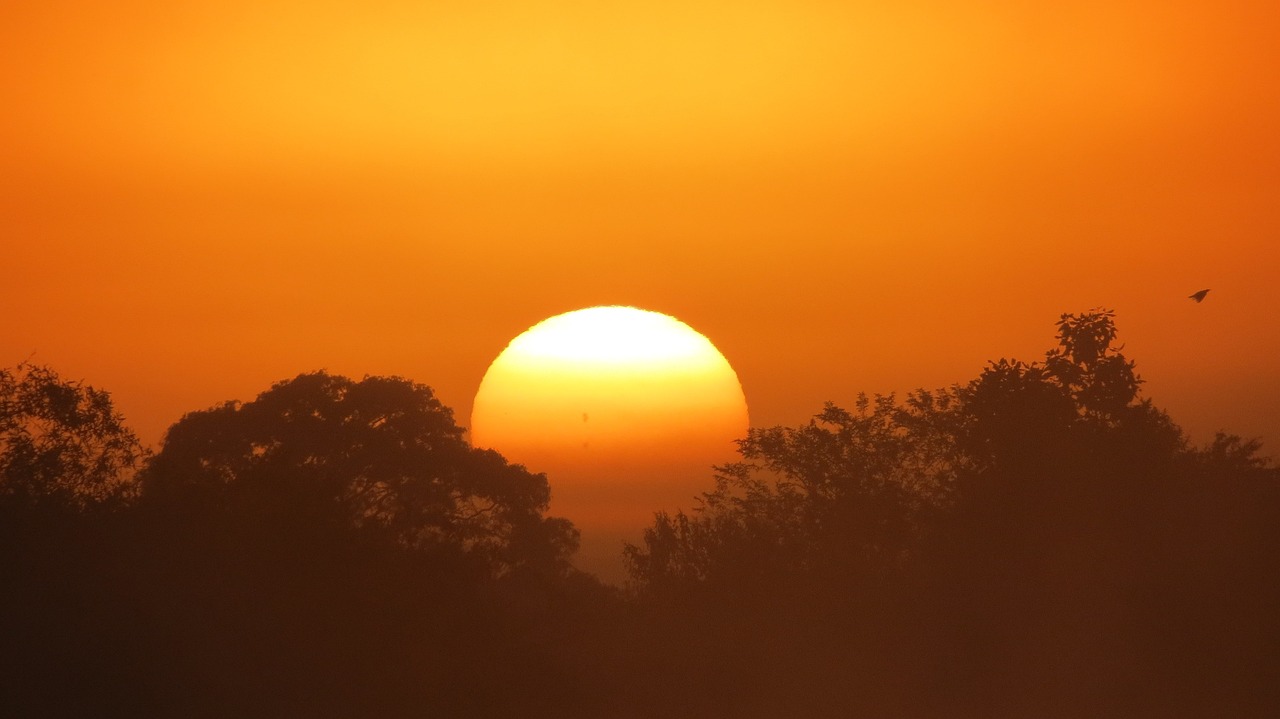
[
  {"x": 1039, "y": 540},
  {"x": 1043, "y": 533},
  {"x": 62, "y": 440},
  {"x": 381, "y": 455},
  {"x": 864, "y": 488}
]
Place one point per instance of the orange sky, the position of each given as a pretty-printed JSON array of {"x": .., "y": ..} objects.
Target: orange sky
[{"x": 198, "y": 199}]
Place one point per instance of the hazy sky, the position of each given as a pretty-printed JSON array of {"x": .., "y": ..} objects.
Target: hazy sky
[{"x": 198, "y": 199}]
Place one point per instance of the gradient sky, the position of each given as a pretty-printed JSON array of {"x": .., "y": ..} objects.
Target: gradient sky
[{"x": 198, "y": 199}]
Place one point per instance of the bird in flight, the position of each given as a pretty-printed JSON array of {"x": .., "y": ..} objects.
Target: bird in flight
[{"x": 1199, "y": 296}]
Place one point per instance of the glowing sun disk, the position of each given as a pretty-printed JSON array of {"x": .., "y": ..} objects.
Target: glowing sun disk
[{"x": 626, "y": 411}]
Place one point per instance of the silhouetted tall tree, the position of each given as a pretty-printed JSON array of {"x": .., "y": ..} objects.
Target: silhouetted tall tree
[
  {"x": 67, "y": 471},
  {"x": 382, "y": 455},
  {"x": 335, "y": 548}
]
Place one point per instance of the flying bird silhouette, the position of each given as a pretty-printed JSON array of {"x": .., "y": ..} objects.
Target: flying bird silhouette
[{"x": 1199, "y": 296}]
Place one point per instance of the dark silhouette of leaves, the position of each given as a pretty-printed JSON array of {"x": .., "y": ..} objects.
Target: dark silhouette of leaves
[
  {"x": 63, "y": 441},
  {"x": 381, "y": 454}
]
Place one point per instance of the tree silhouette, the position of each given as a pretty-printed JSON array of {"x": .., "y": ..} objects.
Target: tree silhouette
[
  {"x": 67, "y": 471},
  {"x": 1023, "y": 540},
  {"x": 334, "y": 548},
  {"x": 382, "y": 455},
  {"x": 847, "y": 490},
  {"x": 1040, "y": 540},
  {"x": 851, "y": 491},
  {"x": 63, "y": 441},
  {"x": 1050, "y": 529}
]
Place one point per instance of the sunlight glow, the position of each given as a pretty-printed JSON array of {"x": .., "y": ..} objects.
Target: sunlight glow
[
  {"x": 584, "y": 386},
  {"x": 614, "y": 336},
  {"x": 625, "y": 410}
]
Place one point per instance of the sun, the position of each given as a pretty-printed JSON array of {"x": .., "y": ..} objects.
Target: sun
[{"x": 626, "y": 410}]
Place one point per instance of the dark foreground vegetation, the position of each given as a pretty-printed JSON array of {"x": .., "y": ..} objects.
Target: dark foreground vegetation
[{"x": 1039, "y": 542}]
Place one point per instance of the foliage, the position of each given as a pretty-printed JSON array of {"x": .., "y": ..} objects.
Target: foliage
[
  {"x": 846, "y": 489},
  {"x": 856, "y": 490},
  {"x": 382, "y": 455},
  {"x": 1041, "y": 535},
  {"x": 62, "y": 440}
]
